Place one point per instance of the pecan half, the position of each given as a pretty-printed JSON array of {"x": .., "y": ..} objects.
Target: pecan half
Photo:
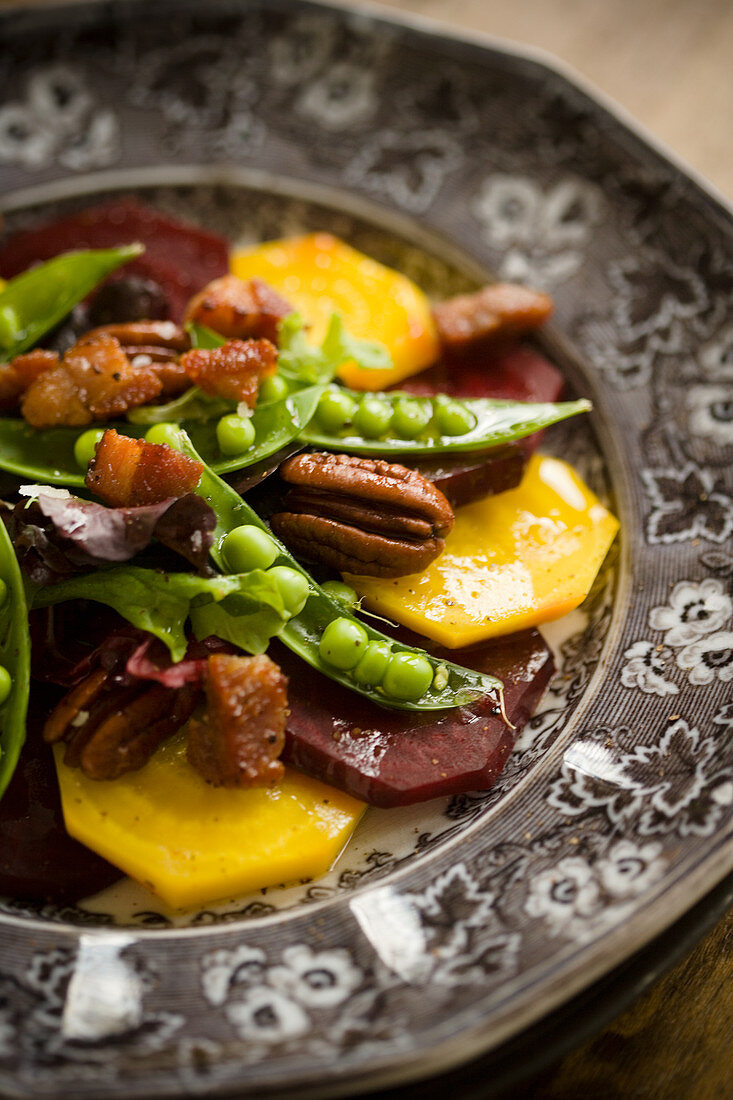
[
  {"x": 496, "y": 311},
  {"x": 362, "y": 515},
  {"x": 111, "y": 728},
  {"x": 154, "y": 344}
]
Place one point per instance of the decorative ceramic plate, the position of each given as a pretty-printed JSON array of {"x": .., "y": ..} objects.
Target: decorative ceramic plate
[{"x": 443, "y": 929}]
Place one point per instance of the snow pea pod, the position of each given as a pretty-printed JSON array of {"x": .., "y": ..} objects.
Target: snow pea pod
[
  {"x": 33, "y": 302},
  {"x": 439, "y": 424},
  {"x": 15, "y": 656},
  {"x": 450, "y": 685},
  {"x": 47, "y": 456}
]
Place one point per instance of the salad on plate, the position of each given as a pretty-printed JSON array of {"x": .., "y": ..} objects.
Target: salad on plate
[{"x": 276, "y": 542}]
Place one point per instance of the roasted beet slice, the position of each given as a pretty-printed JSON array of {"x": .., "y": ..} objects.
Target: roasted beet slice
[
  {"x": 38, "y": 859},
  {"x": 521, "y": 374},
  {"x": 394, "y": 758},
  {"x": 463, "y": 478},
  {"x": 179, "y": 257}
]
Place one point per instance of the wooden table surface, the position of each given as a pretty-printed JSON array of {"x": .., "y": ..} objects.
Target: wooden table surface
[{"x": 669, "y": 63}]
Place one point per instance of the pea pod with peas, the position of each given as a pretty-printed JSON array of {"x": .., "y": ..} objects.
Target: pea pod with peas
[
  {"x": 33, "y": 302},
  {"x": 399, "y": 423},
  {"x": 14, "y": 660},
  {"x": 321, "y": 630}
]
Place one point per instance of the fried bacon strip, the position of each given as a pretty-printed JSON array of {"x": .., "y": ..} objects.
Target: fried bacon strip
[
  {"x": 496, "y": 311},
  {"x": 94, "y": 381},
  {"x": 233, "y": 371},
  {"x": 128, "y": 472},
  {"x": 237, "y": 308},
  {"x": 238, "y": 741}
]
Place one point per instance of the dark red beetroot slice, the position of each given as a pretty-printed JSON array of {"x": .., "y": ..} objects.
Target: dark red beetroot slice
[
  {"x": 521, "y": 374},
  {"x": 394, "y": 758},
  {"x": 467, "y": 477},
  {"x": 38, "y": 859},
  {"x": 180, "y": 257}
]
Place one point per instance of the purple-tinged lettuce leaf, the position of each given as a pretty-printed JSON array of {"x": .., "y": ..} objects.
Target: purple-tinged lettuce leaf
[{"x": 56, "y": 534}]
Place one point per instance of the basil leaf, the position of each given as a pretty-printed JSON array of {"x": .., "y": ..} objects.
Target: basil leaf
[
  {"x": 160, "y": 603},
  {"x": 301, "y": 361}
]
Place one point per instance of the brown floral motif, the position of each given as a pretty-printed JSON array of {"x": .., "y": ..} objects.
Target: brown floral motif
[
  {"x": 679, "y": 784},
  {"x": 688, "y": 503}
]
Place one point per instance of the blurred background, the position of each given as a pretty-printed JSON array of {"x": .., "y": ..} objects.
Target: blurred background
[{"x": 669, "y": 63}]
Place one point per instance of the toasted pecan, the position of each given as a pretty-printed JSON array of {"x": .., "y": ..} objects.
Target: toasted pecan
[
  {"x": 238, "y": 741},
  {"x": 496, "y": 311},
  {"x": 362, "y": 515},
  {"x": 110, "y": 727}
]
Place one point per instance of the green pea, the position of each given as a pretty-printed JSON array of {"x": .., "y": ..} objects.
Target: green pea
[
  {"x": 85, "y": 446},
  {"x": 341, "y": 593},
  {"x": 373, "y": 417},
  {"x": 373, "y": 665},
  {"x": 165, "y": 433},
  {"x": 343, "y": 643},
  {"x": 335, "y": 410},
  {"x": 272, "y": 388},
  {"x": 6, "y": 684},
  {"x": 408, "y": 676},
  {"x": 293, "y": 586},
  {"x": 441, "y": 678},
  {"x": 453, "y": 418},
  {"x": 410, "y": 418},
  {"x": 235, "y": 434},
  {"x": 3, "y": 591},
  {"x": 248, "y": 547}
]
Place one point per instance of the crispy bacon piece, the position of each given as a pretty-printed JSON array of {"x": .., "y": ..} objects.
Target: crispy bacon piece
[
  {"x": 237, "y": 308},
  {"x": 17, "y": 376},
  {"x": 94, "y": 381},
  {"x": 495, "y": 311},
  {"x": 234, "y": 370},
  {"x": 127, "y": 472},
  {"x": 239, "y": 740}
]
